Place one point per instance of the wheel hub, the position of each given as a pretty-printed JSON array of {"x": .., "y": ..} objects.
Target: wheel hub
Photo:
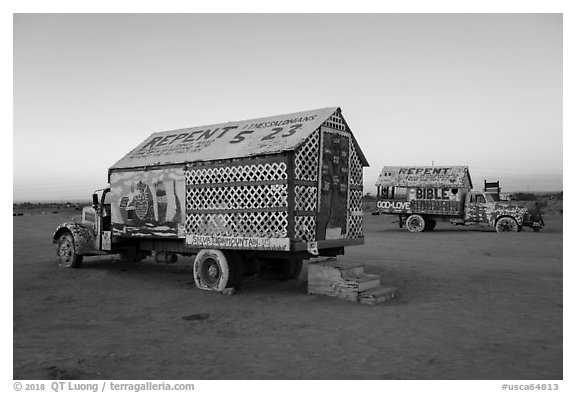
[
  {"x": 213, "y": 271},
  {"x": 65, "y": 252},
  {"x": 210, "y": 272}
]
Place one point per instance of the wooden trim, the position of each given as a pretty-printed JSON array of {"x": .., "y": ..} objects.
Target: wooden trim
[
  {"x": 237, "y": 184},
  {"x": 333, "y": 131},
  {"x": 334, "y": 243},
  {"x": 144, "y": 168},
  {"x": 290, "y": 169},
  {"x": 240, "y": 161},
  {"x": 301, "y": 213},
  {"x": 156, "y": 244},
  {"x": 320, "y": 160},
  {"x": 225, "y": 211},
  {"x": 305, "y": 183}
]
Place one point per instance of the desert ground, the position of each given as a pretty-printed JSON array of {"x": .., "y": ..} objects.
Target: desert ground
[{"x": 473, "y": 304}]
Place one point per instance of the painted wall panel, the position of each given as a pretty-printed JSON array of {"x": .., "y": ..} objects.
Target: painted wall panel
[{"x": 148, "y": 203}]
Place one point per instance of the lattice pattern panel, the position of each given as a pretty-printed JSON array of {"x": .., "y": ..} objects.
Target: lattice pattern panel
[
  {"x": 355, "y": 200},
  {"x": 306, "y": 198},
  {"x": 238, "y": 197},
  {"x": 354, "y": 220},
  {"x": 261, "y": 224},
  {"x": 270, "y": 171},
  {"x": 305, "y": 228},
  {"x": 354, "y": 228},
  {"x": 355, "y": 167},
  {"x": 336, "y": 122},
  {"x": 306, "y": 160}
]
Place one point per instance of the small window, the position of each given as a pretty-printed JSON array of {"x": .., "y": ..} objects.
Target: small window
[
  {"x": 400, "y": 193},
  {"x": 480, "y": 199}
]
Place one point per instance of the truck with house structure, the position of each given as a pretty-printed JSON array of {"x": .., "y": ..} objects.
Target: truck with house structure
[
  {"x": 422, "y": 195},
  {"x": 240, "y": 196}
]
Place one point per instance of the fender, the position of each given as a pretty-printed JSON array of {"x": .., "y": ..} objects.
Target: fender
[
  {"x": 514, "y": 211},
  {"x": 84, "y": 237}
]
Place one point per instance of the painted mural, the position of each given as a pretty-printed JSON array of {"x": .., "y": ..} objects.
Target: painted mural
[
  {"x": 423, "y": 176},
  {"x": 226, "y": 140},
  {"x": 442, "y": 200},
  {"x": 489, "y": 213},
  {"x": 148, "y": 203}
]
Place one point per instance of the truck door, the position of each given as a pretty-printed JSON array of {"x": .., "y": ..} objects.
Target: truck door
[
  {"x": 331, "y": 222},
  {"x": 103, "y": 230},
  {"x": 476, "y": 208}
]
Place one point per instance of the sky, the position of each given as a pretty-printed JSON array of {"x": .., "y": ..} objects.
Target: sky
[{"x": 482, "y": 90}]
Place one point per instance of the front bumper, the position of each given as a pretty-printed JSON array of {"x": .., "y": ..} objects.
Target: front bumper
[{"x": 529, "y": 222}]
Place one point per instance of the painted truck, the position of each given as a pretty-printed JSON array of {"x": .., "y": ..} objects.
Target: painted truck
[
  {"x": 421, "y": 196},
  {"x": 240, "y": 196}
]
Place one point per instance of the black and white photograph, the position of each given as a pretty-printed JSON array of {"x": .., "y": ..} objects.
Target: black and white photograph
[{"x": 311, "y": 196}]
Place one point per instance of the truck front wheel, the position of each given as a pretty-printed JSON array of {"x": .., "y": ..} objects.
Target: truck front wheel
[
  {"x": 214, "y": 270},
  {"x": 66, "y": 252},
  {"x": 415, "y": 223},
  {"x": 507, "y": 224}
]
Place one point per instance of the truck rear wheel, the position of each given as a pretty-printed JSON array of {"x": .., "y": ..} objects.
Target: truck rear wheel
[
  {"x": 290, "y": 269},
  {"x": 415, "y": 223},
  {"x": 66, "y": 252},
  {"x": 215, "y": 270},
  {"x": 507, "y": 224}
]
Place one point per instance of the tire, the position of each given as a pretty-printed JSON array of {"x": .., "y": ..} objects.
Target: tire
[
  {"x": 415, "y": 223},
  {"x": 236, "y": 264},
  {"x": 507, "y": 224},
  {"x": 290, "y": 269},
  {"x": 215, "y": 270},
  {"x": 66, "y": 256},
  {"x": 252, "y": 266}
]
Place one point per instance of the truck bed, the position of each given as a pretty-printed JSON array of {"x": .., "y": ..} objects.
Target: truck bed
[{"x": 436, "y": 207}]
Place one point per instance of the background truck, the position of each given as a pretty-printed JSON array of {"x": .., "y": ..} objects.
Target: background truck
[
  {"x": 241, "y": 196},
  {"x": 421, "y": 196}
]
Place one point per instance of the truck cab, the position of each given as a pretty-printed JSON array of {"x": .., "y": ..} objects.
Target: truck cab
[
  {"x": 485, "y": 208},
  {"x": 98, "y": 218},
  {"x": 92, "y": 236}
]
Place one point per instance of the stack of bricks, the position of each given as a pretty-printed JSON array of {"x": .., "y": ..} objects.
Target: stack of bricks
[{"x": 346, "y": 281}]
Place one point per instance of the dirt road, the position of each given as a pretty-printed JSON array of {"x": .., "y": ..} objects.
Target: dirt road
[{"x": 473, "y": 304}]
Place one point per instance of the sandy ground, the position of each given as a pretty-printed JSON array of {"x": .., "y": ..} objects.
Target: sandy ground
[{"x": 473, "y": 304}]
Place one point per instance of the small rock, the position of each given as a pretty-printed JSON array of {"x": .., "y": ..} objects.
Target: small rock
[
  {"x": 196, "y": 317},
  {"x": 229, "y": 291}
]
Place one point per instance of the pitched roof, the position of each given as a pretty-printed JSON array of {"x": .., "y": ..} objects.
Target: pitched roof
[
  {"x": 234, "y": 139},
  {"x": 425, "y": 176}
]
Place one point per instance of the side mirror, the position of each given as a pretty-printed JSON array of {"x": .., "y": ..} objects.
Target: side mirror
[{"x": 95, "y": 200}]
